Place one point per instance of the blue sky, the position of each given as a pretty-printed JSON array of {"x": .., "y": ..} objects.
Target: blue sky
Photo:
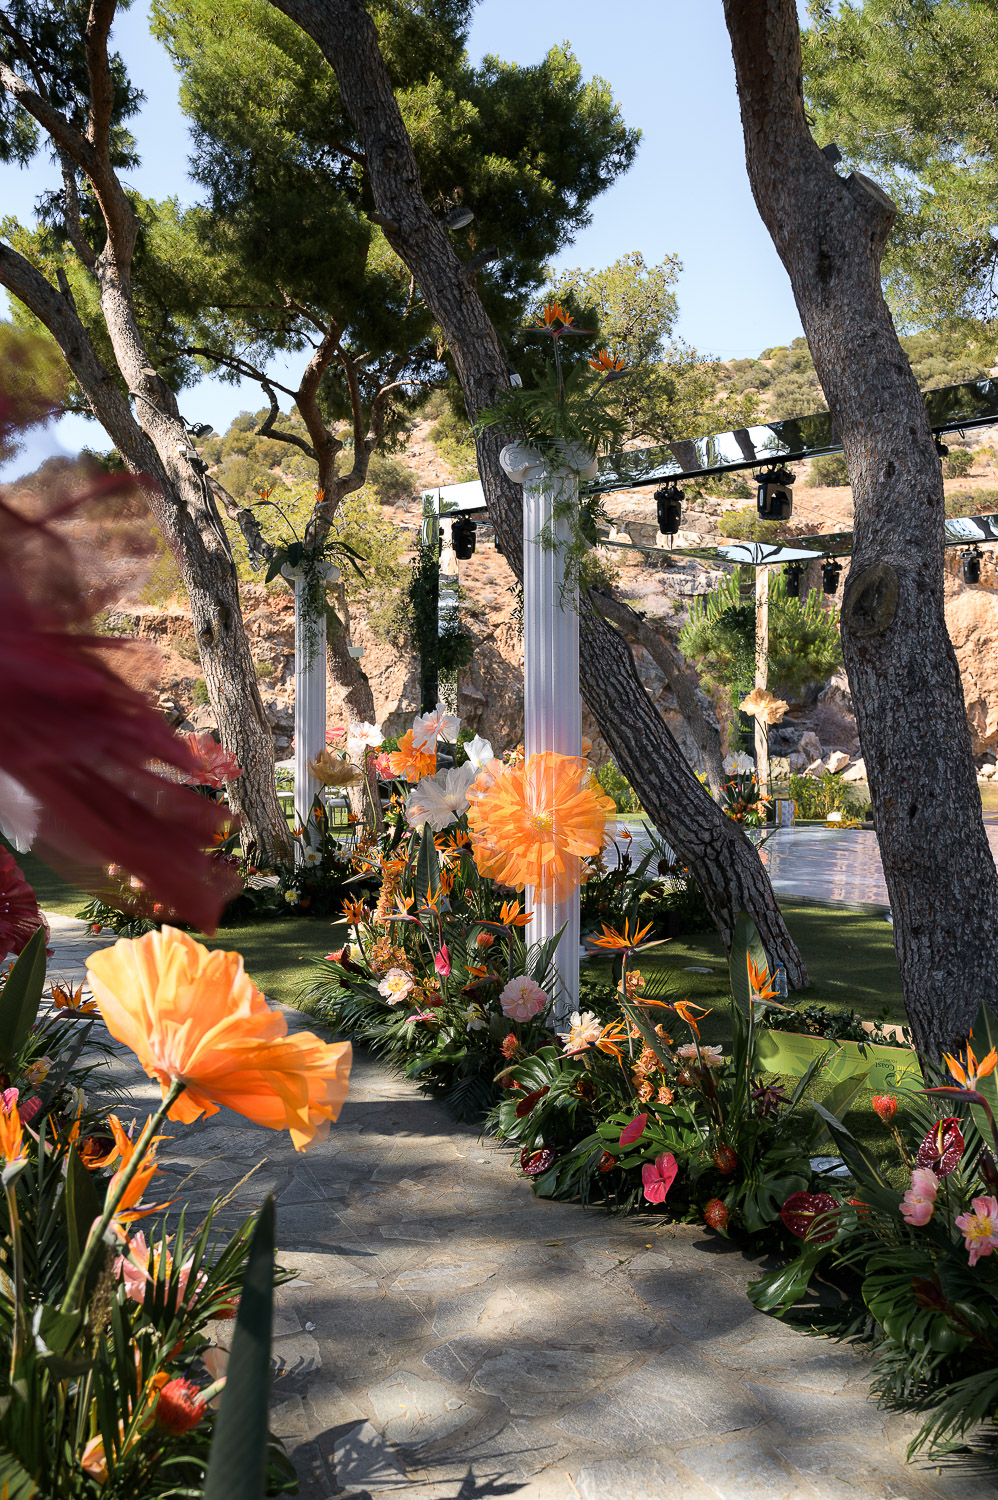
[{"x": 687, "y": 194}]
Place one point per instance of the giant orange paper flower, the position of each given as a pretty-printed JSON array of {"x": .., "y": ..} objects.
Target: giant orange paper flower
[
  {"x": 196, "y": 1017},
  {"x": 409, "y": 763},
  {"x": 535, "y": 824}
]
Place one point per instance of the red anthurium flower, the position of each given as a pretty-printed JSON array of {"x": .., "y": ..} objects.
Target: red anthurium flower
[
  {"x": 536, "y": 1162},
  {"x": 634, "y": 1131},
  {"x": 528, "y": 1101},
  {"x": 658, "y": 1176},
  {"x": 802, "y": 1211},
  {"x": 441, "y": 961},
  {"x": 942, "y": 1148}
]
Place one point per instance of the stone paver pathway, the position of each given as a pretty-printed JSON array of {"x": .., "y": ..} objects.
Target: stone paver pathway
[{"x": 451, "y": 1337}]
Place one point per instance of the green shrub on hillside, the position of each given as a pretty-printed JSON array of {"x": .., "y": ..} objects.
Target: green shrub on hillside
[{"x": 829, "y": 470}]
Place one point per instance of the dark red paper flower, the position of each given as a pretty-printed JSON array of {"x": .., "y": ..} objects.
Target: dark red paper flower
[
  {"x": 607, "y": 1162},
  {"x": 942, "y": 1148},
  {"x": 77, "y": 739},
  {"x": 725, "y": 1160},
  {"x": 19, "y": 914},
  {"x": 806, "y": 1216},
  {"x": 528, "y": 1101},
  {"x": 536, "y": 1162}
]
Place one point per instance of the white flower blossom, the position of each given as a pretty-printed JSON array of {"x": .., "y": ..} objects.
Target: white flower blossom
[
  {"x": 311, "y": 856},
  {"x": 439, "y": 800},
  {"x": 19, "y": 813},
  {"x": 479, "y": 752},
  {"x": 438, "y": 725},
  {"x": 364, "y": 737},
  {"x": 736, "y": 764}
]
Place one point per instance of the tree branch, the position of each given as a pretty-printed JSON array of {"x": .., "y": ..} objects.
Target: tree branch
[{"x": 99, "y": 115}]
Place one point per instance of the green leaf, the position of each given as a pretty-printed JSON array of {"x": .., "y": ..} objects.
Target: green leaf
[
  {"x": 15, "y": 1481},
  {"x": 83, "y": 1206},
  {"x": 745, "y": 944},
  {"x": 781, "y": 1289},
  {"x": 275, "y": 565},
  {"x": 860, "y": 1163},
  {"x": 237, "y": 1463},
  {"x": 53, "y": 1330},
  {"x": 427, "y": 865},
  {"x": 21, "y": 996}
]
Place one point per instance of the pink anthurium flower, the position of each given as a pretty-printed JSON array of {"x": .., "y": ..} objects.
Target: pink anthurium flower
[
  {"x": 441, "y": 961},
  {"x": 634, "y": 1131},
  {"x": 658, "y": 1176}
]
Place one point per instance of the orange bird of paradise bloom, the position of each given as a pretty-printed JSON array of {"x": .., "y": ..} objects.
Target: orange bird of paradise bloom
[
  {"x": 968, "y": 1072},
  {"x": 606, "y": 361},
  {"x": 610, "y": 1039},
  {"x": 759, "y": 981},
  {"x": 355, "y": 912},
  {"x": 624, "y": 940},
  {"x": 510, "y": 915},
  {"x": 683, "y": 1008},
  {"x": 11, "y": 1135},
  {"x": 128, "y": 1209},
  {"x": 65, "y": 997},
  {"x": 195, "y": 1018},
  {"x": 554, "y": 313}
]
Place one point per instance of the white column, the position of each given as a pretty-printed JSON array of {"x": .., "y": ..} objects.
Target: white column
[
  {"x": 552, "y": 708},
  {"x": 310, "y": 690},
  {"x": 762, "y": 675},
  {"x": 448, "y": 608}
]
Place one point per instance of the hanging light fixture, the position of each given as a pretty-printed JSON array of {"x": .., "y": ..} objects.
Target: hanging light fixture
[
  {"x": 458, "y": 217},
  {"x": 831, "y": 572},
  {"x": 200, "y": 430},
  {"x": 791, "y": 577},
  {"x": 774, "y": 499},
  {"x": 972, "y": 565},
  {"x": 669, "y": 508},
  {"x": 462, "y": 534}
]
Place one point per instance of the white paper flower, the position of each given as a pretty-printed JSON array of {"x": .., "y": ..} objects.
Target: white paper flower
[
  {"x": 364, "y": 736},
  {"x": 735, "y": 764},
  {"x": 584, "y": 1031},
  {"x": 439, "y": 800},
  {"x": 479, "y": 752},
  {"x": 19, "y": 813},
  {"x": 438, "y": 725},
  {"x": 311, "y": 857}
]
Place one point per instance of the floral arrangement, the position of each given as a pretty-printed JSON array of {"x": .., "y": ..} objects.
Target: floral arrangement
[
  {"x": 742, "y": 800},
  {"x": 112, "y": 1365},
  {"x": 913, "y": 1247}
]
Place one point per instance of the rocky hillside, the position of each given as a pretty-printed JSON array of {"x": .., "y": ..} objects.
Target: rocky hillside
[{"x": 138, "y": 582}]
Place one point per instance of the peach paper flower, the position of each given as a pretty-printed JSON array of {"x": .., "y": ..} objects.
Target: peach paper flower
[
  {"x": 408, "y": 763},
  {"x": 195, "y": 1017},
  {"x": 535, "y": 824},
  {"x": 521, "y": 999}
]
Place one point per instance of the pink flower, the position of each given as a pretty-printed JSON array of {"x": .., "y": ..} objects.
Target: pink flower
[
  {"x": 138, "y": 1266},
  {"x": 980, "y": 1229},
  {"x": 421, "y": 1015},
  {"x": 383, "y": 766},
  {"x": 634, "y": 1131},
  {"x": 919, "y": 1202},
  {"x": 441, "y": 961},
  {"x": 658, "y": 1176},
  {"x": 522, "y": 999},
  {"x": 214, "y": 766},
  {"x": 19, "y": 914}
]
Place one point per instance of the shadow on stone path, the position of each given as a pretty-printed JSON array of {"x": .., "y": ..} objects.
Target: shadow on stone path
[{"x": 449, "y": 1337}]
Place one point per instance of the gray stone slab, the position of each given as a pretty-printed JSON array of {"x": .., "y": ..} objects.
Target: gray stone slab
[
  {"x": 672, "y": 1398},
  {"x": 750, "y": 1470},
  {"x": 805, "y": 1414},
  {"x": 634, "y": 1479},
  {"x": 531, "y": 1380},
  {"x": 413, "y": 1410},
  {"x": 840, "y": 1470}
]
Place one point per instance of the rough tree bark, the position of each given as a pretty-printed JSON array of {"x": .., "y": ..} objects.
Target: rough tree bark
[
  {"x": 830, "y": 233},
  {"x": 153, "y": 442},
  {"x": 724, "y": 863}
]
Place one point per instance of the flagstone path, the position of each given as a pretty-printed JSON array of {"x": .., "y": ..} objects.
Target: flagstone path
[{"x": 450, "y": 1337}]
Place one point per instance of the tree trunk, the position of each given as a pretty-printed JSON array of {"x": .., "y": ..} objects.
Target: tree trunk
[
  {"x": 830, "y": 233},
  {"x": 721, "y": 859},
  {"x": 159, "y": 453},
  {"x": 687, "y": 692}
]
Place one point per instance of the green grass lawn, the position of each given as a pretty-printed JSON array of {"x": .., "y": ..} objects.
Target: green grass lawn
[{"x": 276, "y": 953}]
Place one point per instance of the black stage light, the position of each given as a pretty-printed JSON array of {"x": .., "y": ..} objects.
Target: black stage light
[
  {"x": 791, "y": 577},
  {"x": 463, "y": 532},
  {"x": 831, "y": 572},
  {"x": 669, "y": 508},
  {"x": 774, "y": 500},
  {"x": 972, "y": 566}
]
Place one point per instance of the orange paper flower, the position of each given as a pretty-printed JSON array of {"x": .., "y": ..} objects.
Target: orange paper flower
[
  {"x": 535, "y": 824},
  {"x": 196, "y": 1017},
  {"x": 606, "y": 361},
  {"x": 409, "y": 763}
]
